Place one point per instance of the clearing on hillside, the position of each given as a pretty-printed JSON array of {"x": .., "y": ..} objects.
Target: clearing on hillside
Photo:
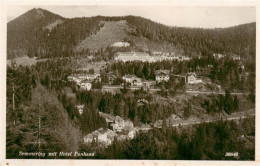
[
  {"x": 96, "y": 66},
  {"x": 111, "y": 32},
  {"x": 54, "y": 24},
  {"x": 24, "y": 61}
]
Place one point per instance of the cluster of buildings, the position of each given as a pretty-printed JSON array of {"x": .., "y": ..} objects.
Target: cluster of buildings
[
  {"x": 190, "y": 78},
  {"x": 120, "y": 128},
  {"x": 84, "y": 80},
  {"x": 117, "y": 123},
  {"x": 132, "y": 80},
  {"x": 232, "y": 56},
  {"x": 132, "y": 56},
  {"x": 102, "y": 136},
  {"x": 144, "y": 57},
  {"x": 138, "y": 82},
  {"x": 160, "y": 76},
  {"x": 218, "y": 56},
  {"x": 160, "y": 56}
]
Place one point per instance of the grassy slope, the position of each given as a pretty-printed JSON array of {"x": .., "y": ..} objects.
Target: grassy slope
[
  {"x": 111, "y": 32},
  {"x": 116, "y": 31},
  {"x": 24, "y": 61}
]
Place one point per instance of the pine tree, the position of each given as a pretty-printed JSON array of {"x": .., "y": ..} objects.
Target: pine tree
[
  {"x": 236, "y": 103},
  {"x": 228, "y": 102},
  {"x": 187, "y": 111}
]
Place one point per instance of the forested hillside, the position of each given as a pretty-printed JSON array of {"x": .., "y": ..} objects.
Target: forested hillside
[
  {"x": 41, "y": 113},
  {"x": 28, "y": 34}
]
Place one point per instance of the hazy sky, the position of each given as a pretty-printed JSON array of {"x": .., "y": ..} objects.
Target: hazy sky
[{"x": 190, "y": 16}]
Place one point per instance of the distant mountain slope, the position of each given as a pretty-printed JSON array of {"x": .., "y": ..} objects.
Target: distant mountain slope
[
  {"x": 222, "y": 40},
  {"x": 43, "y": 34},
  {"x": 25, "y": 32},
  {"x": 47, "y": 36}
]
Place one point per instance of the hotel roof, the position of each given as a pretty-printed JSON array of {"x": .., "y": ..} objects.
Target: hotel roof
[{"x": 132, "y": 53}]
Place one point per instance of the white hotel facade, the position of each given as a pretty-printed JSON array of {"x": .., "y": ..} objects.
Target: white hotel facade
[{"x": 144, "y": 57}]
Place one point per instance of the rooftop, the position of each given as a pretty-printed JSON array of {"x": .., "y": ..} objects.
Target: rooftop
[
  {"x": 142, "y": 101},
  {"x": 80, "y": 106},
  {"x": 132, "y": 53},
  {"x": 106, "y": 115},
  {"x": 167, "y": 72},
  {"x": 130, "y": 76},
  {"x": 191, "y": 74},
  {"x": 119, "y": 119}
]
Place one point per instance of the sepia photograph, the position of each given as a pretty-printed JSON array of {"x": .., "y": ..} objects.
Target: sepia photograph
[{"x": 130, "y": 82}]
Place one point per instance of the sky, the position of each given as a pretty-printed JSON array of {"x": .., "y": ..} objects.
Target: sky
[{"x": 180, "y": 16}]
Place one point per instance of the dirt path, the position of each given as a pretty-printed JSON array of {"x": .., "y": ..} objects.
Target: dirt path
[
  {"x": 214, "y": 92},
  {"x": 188, "y": 91},
  {"x": 207, "y": 121}
]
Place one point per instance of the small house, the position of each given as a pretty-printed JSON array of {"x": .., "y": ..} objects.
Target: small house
[
  {"x": 162, "y": 75},
  {"x": 142, "y": 102},
  {"x": 85, "y": 85},
  {"x": 132, "y": 133},
  {"x": 133, "y": 80},
  {"x": 119, "y": 124},
  {"x": 192, "y": 79},
  {"x": 80, "y": 108},
  {"x": 148, "y": 84},
  {"x": 111, "y": 77}
]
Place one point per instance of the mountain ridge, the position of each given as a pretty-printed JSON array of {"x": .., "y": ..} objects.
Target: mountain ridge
[{"x": 28, "y": 35}]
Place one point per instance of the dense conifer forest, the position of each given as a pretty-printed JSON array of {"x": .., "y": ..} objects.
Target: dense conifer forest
[{"x": 43, "y": 92}]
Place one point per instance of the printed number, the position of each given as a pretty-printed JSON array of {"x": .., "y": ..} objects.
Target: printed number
[{"x": 231, "y": 154}]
